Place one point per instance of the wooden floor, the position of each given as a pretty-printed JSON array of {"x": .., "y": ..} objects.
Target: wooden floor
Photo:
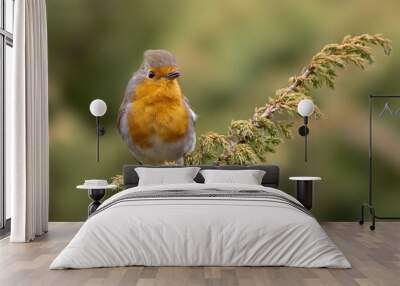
[{"x": 375, "y": 257}]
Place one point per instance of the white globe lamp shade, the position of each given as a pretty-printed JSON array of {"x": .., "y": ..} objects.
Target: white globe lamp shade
[
  {"x": 98, "y": 107},
  {"x": 305, "y": 107}
]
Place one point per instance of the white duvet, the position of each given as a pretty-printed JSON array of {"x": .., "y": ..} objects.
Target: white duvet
[{"x": 200, "y": 231}]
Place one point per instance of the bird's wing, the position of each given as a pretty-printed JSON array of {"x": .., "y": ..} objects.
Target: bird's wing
[
  {"x": 192, "y": 114},
  {"x": 121, "y": 111},
  {"x": 191, "y": 144},
  {"x": 129, "y": 94}
]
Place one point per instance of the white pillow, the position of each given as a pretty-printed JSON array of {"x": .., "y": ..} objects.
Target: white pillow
[
  {"x": 164, "y": 176},
  {"x": 248, "y": 177}
]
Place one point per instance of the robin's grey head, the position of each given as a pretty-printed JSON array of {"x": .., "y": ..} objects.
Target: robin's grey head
[
  {"x": 160, "y": 64},
  {"x": 159, "y": 58}
]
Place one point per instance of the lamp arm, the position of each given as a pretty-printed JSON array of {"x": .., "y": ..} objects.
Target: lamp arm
[
  {"x": 304, "y": 131},
  {"x": 100, "y": 131},
  {"x": 98, "y": 138},
  {"x": 305, "y": 120},
  {"x": 305, "y": 142}
]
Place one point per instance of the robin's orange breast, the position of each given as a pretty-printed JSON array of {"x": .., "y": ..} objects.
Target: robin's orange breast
[{"x": 157, "y": 110}]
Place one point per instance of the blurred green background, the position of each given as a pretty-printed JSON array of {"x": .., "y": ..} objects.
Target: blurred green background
[{"x": 233, "y": 55}]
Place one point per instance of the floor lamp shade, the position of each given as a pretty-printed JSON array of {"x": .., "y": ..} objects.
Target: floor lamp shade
[
  {"x": 305, "y": 107},
  {"x": 98, "y": 107}
]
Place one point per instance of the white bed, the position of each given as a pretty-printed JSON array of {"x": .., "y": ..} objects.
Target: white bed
[{"x": 185, "y": 230}]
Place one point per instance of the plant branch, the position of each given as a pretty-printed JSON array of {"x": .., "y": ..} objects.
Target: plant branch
[{"x": 249, "y": 141}]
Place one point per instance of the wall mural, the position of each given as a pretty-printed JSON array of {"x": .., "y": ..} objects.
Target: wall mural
[{"x": 232, "y": 56}]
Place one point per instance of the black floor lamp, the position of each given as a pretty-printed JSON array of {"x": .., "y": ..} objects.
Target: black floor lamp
[
  {"x": 98, "y": 108},
  {"x": 305, "y": 108}
]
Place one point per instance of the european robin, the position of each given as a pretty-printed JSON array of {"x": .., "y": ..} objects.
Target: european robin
[{"x": 155, "y": 119}]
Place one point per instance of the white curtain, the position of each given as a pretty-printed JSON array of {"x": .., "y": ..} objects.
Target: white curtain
[{"x": 27, "y": 149}]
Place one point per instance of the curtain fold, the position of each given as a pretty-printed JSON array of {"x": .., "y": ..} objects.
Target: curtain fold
[{"x": 27, "y": 155}]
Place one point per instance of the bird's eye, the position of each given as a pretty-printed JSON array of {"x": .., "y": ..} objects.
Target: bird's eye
[{"x": 151, "y": 74}]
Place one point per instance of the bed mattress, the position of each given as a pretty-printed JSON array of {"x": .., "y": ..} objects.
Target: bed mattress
[{"x": 201, "y": 225}]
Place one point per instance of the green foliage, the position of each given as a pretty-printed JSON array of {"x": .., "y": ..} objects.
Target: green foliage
[
  {"x": 117, "y": 180},
  {"x": 249, "y": 141},
  {"x": 209, "y": 146}
]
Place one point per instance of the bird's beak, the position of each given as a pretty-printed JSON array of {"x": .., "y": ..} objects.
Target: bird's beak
[{"x": 173, "y": 75}]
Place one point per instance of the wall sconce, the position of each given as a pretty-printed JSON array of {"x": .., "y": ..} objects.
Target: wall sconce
[
  {"x": 98, "y": 108},
  {"x": 305, "y": 108}
]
